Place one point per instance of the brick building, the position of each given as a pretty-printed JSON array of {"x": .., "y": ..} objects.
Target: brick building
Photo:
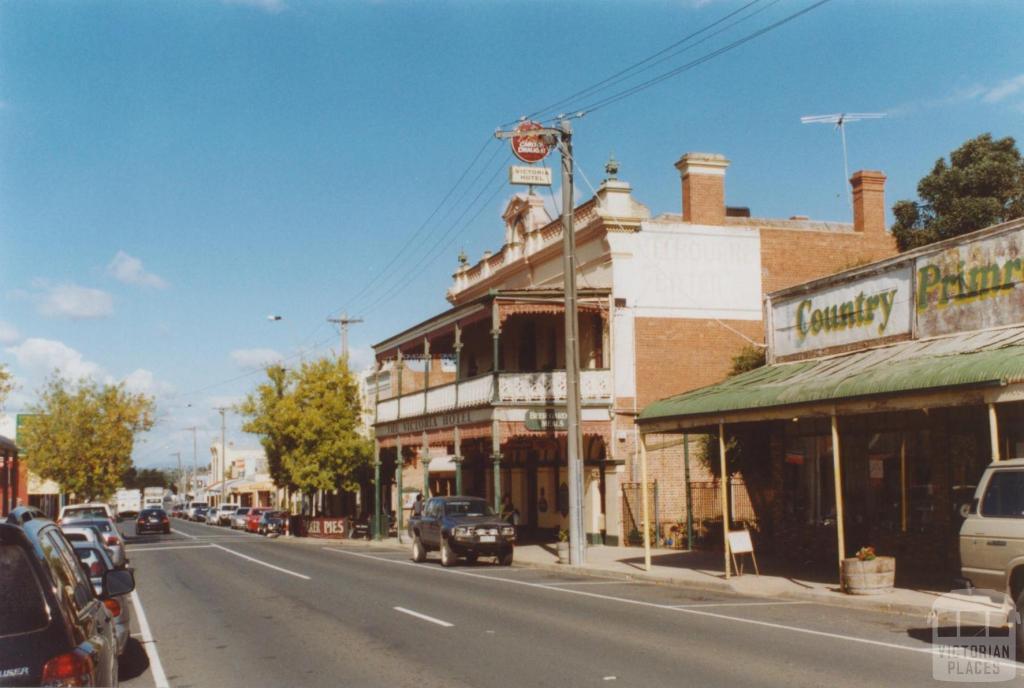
[{"x": 666, "y": 302}]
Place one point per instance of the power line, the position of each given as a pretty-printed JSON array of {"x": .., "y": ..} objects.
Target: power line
[{"x": 624, "y": 73}]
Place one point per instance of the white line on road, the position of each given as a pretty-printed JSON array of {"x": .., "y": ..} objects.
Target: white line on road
[
  {"x": 153, "y": 549},
  {"x": 159, "y": 677},
  {"x": 262, "y": 563},
  {"x": 601, "y": 582},
  {"x": 182, "y": 532},
  {"x": 423, "y": 616},
  {"x": 655, "y": 605},
  {"x": 735, "y": 604}
]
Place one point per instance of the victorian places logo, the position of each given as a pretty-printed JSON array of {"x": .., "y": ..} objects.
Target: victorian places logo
[{"x": 974, "y": 635}]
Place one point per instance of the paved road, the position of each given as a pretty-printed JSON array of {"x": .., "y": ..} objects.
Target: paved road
[{"x": 231, "y": 609}]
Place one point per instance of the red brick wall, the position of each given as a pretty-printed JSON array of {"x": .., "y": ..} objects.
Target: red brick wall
[
  {"x": 704, "y": 199},
  {"x": 791, "y": 257}
]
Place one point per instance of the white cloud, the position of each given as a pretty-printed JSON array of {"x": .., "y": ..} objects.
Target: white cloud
[
  {"x": 1005, "y": 89},
  {"x": 128, "y": 269},
  {"x": 39, "y": 357},
  {"x": 68, "y": 300},
  {"x": 360, "y": 358},
  {"x": 8, "y": 333},
  {"x": 255, "y": 358},
  {"x": 142, "y": 381},
  {"x": 268, "y": 6}
]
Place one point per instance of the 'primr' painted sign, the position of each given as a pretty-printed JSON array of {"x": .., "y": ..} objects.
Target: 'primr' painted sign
[
  {"x": 972, "y": 286},
  {"x": 856, "y": 311}
]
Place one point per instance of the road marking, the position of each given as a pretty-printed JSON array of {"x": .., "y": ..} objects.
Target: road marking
[
  {"x": 655, "y": 605},
  {"x": 736, "y": 604},
  {"x": 601, "y": 582},
  {"x": 182, "y": 532},
  {"x": 423, "y": 616},
  {"x": 159, "y": 677},
  {"x": 153, "y": 549},
  {"x": 262, "y": 563}
]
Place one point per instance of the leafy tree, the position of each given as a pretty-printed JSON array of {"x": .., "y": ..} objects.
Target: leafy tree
[
  {"x": 81, "y": 434},
  {"x": 139, "y": 478},
  {"x": 308, "y": 420},
  {"x": 6, "y": 384},
  {"x": 982, "y": 185}
]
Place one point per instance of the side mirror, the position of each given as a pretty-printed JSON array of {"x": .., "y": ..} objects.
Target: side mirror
[{"x": 118, "y": 582}]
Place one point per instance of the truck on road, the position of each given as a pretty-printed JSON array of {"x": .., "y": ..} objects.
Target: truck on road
[
  {"x": 153, "y": 498},
  {"x": 128, "y": 503}
]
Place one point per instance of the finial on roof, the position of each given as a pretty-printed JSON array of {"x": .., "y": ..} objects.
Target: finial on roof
[
  {"x": 611, "y": 167},
  {"x": 463, "y": 258}
]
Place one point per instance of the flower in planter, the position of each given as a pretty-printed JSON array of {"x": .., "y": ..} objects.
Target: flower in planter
[{"x": 866, "y": 553}]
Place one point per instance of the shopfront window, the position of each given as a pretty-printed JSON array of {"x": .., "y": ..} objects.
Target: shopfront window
[{"x": 808, "y": 481}]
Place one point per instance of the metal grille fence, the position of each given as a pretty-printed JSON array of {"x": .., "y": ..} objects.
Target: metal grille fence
[{"x": 707, "y": 507}]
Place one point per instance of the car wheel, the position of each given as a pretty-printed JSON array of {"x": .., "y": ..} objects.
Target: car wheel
[
  {"x": 448, "y": 557},
  {"x": 471, "y": 558},
  {"x": 505, "y": 558},
  {"x": 419, "y": 553}
]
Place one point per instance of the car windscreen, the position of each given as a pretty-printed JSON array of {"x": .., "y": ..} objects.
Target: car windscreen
[
  {"x": 76, "y": 537},
  {"x": 242, "y": 512},
  {"x": 85, "y": 512},
  {"x": 22, "y": 606},
  {"x": 152, "y": 512},
  {"x": 103, "y": 526},
  {"x": 468, "y": 507}
]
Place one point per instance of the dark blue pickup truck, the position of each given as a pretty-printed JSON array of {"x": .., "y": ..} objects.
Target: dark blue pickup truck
[{"x": 461, "y": 527}]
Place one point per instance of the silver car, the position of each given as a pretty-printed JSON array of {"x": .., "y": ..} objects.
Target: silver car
[
  {"x": 239, "y": 517},
  {"x": 212, "y": 515},
  {"x": 97, "y": 562},
  {"x": 108, "y": 534}
]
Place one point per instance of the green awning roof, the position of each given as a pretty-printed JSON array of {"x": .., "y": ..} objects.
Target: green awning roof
[{"x": 988, "y": 357}]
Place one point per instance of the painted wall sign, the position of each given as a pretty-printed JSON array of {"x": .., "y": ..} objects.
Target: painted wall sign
[
  {"x": 861, "y": 310},
  {"x": 972, "y": 286},
  {"x": 438, "y": 420},
  {"x": 546, "y": 418}
]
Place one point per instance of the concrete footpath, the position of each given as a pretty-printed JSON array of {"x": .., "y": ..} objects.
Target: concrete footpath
[{"x": 698, "y": 571}]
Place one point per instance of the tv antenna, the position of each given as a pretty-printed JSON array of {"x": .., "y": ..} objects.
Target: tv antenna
[{"x": 839, "y": 120}]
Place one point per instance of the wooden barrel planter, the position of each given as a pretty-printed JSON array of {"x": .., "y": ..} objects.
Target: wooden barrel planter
[{"x": 872, "y": 577}]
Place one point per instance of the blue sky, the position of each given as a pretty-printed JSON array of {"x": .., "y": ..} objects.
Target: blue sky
[{"x": 175, "y": 171}]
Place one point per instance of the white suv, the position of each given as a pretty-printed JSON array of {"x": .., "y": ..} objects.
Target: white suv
[
  {"x": 91, "y": 510},
  {"x": 992, "y": 536}
]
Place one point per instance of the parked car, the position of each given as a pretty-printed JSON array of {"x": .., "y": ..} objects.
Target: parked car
[
  {"x": 191, "y": 508},
  {"x": 78, "y": 512},
  {"x": 96, "y": 562},
  {"x": 54, "y": 629},
  {"x": 211, "y": 516},
  {"x": 225, "y": 512},
  {"x": 109, "y": 535},
  {"x": 273, "y": 523},
  {"x": 461, "y": 527},
  {"x": 199, "y": 513},
  {"x": 252, "y": 522},
  {"x": 992, "y": 535},
  {"x": 238, "y": 518},
  {"x": 153, "y": 520}
]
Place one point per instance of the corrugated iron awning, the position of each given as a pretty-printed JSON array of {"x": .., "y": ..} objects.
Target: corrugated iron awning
[{"x": 983, "y": 358}]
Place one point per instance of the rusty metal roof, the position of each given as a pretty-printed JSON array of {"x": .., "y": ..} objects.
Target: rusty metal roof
[{"x": 984, "y": 358}]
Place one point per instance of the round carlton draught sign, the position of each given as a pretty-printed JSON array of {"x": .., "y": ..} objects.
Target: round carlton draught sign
[{"x": 529, "y": 148}]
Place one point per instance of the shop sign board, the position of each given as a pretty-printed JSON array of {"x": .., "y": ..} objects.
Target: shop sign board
[
  {"x": 530, "y": 148},
  {"x": 326, "y": 528},
  {"x": 971, "y": 286},
  {"x": 546, "y": 418},
  {"x": 530, "y": 176},
  {"x": 860, "y": 310}
]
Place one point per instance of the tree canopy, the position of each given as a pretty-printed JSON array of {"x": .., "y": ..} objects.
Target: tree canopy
[
  {"x": 6, "y": 384},
  {"x": 140, "y": 478},
  {"x": 81, "y": 434},
  {"x": 981, "y": 185},
  {"x": 308, "y": 423}
]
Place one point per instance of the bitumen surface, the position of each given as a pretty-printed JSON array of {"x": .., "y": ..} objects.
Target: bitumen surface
[{"x": 226, "y": 608}]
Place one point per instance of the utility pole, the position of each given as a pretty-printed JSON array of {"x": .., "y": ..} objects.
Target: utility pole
[
  {"x": 181, "y": 476},
  {"x": 195, "y": 460},
  {"x": 343, "y": 322},
  {"x": 223, "y": 454},
  {"x": 561, "y": 135}
]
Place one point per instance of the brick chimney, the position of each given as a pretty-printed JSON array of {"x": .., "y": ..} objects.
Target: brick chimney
[
  {"x": 868, "y": 201},
  {"x": 703, "y": 187}
]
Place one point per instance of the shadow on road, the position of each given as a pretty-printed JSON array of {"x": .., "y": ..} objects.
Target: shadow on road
[{"x": 133, "y": 662}]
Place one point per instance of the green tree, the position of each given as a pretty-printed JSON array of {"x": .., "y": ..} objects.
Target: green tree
[
  {"x": 81, "y": 434},
  {"x": 982, "y": 185},
  {"x": 139, "y": 478},
  {"x": 6, "y": 384},
  {"x": 308, "y": 422}
]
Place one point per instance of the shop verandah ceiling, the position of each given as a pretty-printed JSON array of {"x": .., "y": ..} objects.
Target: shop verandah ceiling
[{"x": 992, "y": 357}]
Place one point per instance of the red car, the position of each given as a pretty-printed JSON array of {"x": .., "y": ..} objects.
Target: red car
[{"x": 252, "y": 519}]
